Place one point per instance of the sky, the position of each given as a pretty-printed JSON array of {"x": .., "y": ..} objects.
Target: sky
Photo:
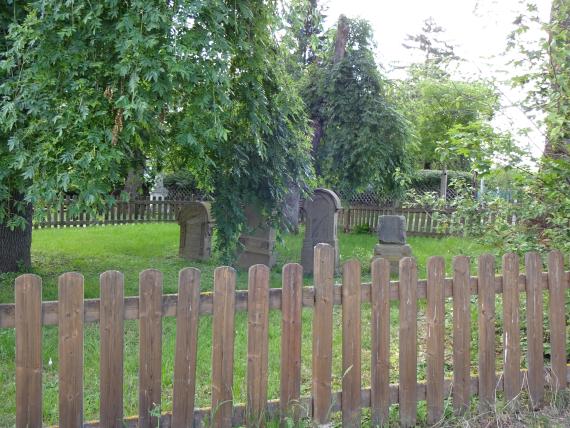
[{"x": 477, "y": 28}]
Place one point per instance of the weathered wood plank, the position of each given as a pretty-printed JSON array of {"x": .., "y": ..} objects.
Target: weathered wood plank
[
  {"x": 535, "y": 336},
  {"x": 461, "y": 334},
  {"x": 223, "y": 346},
  {"x": 291, "y": 324},
  {"x": 70, "y": 350},
  {"x": 257, "y": 344},
  {"x": 380, "y": 382},
  {"x": 408, "y": 352},
  {"x": 351, "y": 344},
  {"x": 435, "y": 338},
  {"x": 111, "y": 349},
  {"x": 511, "y": 334},
  {"x": 187, "y": 319},
  {"x": 150, "y": 346},
  {"x": 557, "y": 288},
  {"x": 28, "y": 297},
  {"x": 486, "y": 321},
  {"x": 322, "y": 333}
]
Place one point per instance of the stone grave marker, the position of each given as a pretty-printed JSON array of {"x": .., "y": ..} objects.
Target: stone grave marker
[
  {"x": 258, "y": 240},
  {"x": 321, "y": 219},
  {"x": 392, "y": 240},
  {"x": 195, "y": 222}
]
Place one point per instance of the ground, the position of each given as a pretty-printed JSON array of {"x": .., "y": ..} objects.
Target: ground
[{"x": 133, "y": 248}]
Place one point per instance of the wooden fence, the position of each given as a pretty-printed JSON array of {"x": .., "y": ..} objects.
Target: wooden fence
[
  {"x": 136, "y": 211},
  {"x": 419, "y": 221},
  {"x": 28, "y": 314}
]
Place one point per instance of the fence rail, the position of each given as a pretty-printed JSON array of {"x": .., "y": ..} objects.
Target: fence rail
[
  {"x": 29, "y": 313},
  {"x": 135, "y": 211}
]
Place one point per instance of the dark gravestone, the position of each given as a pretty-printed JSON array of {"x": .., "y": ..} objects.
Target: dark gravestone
[
  {"x": 392, "y": 229},
  {"x": 321, "y": 218},
  {"x": 195, "y": 231},
  {"x": 392, "y": 237},
  {"x": 258, "y": 240}
]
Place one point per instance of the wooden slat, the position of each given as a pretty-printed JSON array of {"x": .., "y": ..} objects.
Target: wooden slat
[
  {"x": 534, "y": 305},
  {"x": 187, "y": 319},
  {"x": 150, "y": 346},
  {"x": 486, "y": 321},
  {"x": 557, "y": 289},
  {"x": 322, "y": 332},
  {"x": 461, "y": 334},
  {"x": 291, "y": 324},
  {"x": 111, "y": 351},
  {"x": 380, "y": 382},
  {"x": 28, "y": 297},
  {"x": 511, "y": 334},
  {"x": 351, "y": 344},
  {"x": 408, "y": 356},
  {"x": 435, "y": 340},
  {"x": 70, "y": 350},
  {"x": 223, "y": 346},
  {"x": 257, "y": 344}
]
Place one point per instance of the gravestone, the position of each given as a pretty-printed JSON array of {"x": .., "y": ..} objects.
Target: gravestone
[
  {"x": 321, "y": 218},
  {"x": 258, "y": 240},
  {"x": 195, "y": 223},
  {"x": 392, "y": 240}
]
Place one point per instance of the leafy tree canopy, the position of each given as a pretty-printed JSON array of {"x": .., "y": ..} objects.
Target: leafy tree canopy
[
  {"x": 195, "y": 84},
  {"x": 364, "y": 137}
]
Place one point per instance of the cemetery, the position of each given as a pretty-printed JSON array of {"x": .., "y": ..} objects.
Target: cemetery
[{"x": 284, "y": 214}]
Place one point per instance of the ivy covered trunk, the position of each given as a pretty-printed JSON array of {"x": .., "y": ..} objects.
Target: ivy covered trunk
[{"x": 15, "y": 245}]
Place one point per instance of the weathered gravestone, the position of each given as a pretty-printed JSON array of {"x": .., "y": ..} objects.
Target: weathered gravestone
[
  {"x": 195, "y": 223},
  {"x": 392, "y": 237},
  {"x": 321, "y": 218},
  {"x": 258, "y": 240}
]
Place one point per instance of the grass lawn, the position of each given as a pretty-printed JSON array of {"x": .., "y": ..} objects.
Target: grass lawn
[{"x": 133, "y": 248}]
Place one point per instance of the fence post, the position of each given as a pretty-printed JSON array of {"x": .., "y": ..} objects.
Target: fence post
[
  {"x": 291, "y": 310},
  {"x": 187, "y": 319},
  {"x": 111, "y": 327},
  {"x": 150, "y": 346},
  {"x": 408, "y": 357},
  {"x": 28, "y": 323},
  {"x": 351, "y": 344},
  {"x": 486, "y": 298},
  {"x": 223, "y": 346},
  {"x": 257, "y": 344},
  {"x": 435, "y": 341},
  {"x": 380, "y": 383},
  {"x": 70, "y": 325},
  {"x": 322, "y": 332},
  {"x": 511, "y": 334},
  {"x": 533, "y": 265},
  {"x": 557, "y": 287},
  {"x": 461, "y": 334}
]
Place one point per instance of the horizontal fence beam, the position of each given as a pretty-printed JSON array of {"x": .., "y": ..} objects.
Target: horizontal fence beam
[
  {"x": 169, "y": 301},
  {"x": 272, "y": 410}
]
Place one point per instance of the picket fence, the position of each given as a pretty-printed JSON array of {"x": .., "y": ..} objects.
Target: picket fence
[
  {"x": 29, "y": 314},
  {"x": 419, "y": 221},
  {"x": 135, "y": 211}
]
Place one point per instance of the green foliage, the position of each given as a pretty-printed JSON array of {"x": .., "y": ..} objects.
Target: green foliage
[
  {"x": 364, "y": 137},
  {"x": 431, "y": 179},
  {"x": 450, "y": 121},
  {"x": 194, "y": 85}
]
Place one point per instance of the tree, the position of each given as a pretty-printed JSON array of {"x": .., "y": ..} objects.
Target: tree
[
  {"x": 90, "y": 83},
  {"x": 442, "y": 111},
  {"x": 361, "y": 138}
]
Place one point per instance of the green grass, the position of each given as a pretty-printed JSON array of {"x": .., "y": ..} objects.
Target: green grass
[{"x": 133, "y": 248}]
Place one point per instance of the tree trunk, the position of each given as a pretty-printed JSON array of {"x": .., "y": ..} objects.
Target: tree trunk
[
  {"x": 16, "y": 245},
  {"x": 341, "y": 39}
]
